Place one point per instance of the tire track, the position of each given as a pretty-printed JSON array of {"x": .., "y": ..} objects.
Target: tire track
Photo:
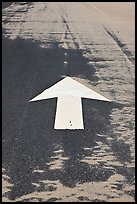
[
  {"x": 128, "y": 54},
  {"x": 68, "y": 31}
]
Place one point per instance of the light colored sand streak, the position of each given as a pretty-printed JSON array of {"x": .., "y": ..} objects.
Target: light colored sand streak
[{"x": 89, "y": 191}]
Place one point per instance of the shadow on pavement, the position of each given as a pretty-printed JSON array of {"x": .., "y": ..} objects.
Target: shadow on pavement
[{"x": 29, "y": 140}]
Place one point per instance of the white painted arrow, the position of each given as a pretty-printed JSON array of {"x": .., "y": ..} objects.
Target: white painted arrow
[{"x": 69, "y": 107}]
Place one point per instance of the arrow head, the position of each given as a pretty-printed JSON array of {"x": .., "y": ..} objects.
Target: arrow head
[{"x": 69, "y": 87}]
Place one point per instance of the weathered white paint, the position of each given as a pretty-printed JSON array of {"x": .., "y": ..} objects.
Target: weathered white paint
[
  {"x": 69, "y": 113},
  {"x": 69, "y": 107}
]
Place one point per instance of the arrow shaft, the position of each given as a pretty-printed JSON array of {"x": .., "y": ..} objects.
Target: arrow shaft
[{"x": 69, "y": 113}]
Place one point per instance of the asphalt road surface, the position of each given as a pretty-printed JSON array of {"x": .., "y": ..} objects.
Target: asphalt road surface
[{"x": 94, "y": 44}]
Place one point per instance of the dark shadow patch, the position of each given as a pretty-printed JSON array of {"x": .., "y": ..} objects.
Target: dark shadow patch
[
  {"x": 6, "y": 4},
  {"x": 128, "y": 173},
  {"x": 29, "y": 139},
  {"x": 121, "y": 150},
  {"x": 82, "y": 198},
  {"x": 52, "y": 199},
  {"x": 78, "y": 65}
]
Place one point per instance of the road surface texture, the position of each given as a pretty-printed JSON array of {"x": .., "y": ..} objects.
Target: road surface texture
[{"x": 94, "y": 44}]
